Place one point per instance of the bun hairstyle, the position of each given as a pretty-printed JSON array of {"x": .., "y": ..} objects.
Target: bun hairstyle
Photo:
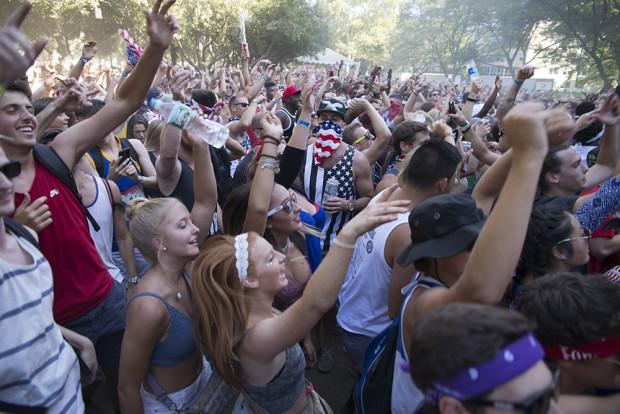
[
  {"x": 145, "y": 218},
  {"x": 222, "y": 308}
]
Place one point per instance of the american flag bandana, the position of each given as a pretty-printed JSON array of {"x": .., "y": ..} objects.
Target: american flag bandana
[
  {"x": 133, "y": 50},
  {"x": 327, "y": 141}
]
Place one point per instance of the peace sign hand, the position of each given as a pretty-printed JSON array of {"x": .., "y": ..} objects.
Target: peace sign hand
[{"x": 16, "y": 53}]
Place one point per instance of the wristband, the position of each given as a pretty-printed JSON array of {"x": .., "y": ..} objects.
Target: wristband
[
  {"x": 464, "y": 130},
  {"x": 304, "y": 123},
  {"x": 84, "y": 59},
  {"x": 518, "y": 82},
  {"x": 339, "y": 243}
]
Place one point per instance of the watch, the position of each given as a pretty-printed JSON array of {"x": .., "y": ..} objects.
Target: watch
[{"x": 350, "y": 206}]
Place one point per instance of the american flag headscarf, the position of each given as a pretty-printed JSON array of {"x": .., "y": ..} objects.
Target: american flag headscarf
[
  {"x": 327, "y": 141},
  {"x": 133, "y": 50}
]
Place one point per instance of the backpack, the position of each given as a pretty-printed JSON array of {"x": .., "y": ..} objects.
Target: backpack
[
  {"x": 97, "y": 157},
  {"x": 20, "y": 230},
  {"x": 373, "y": 392},
  {"x": 47, "y": 157}
]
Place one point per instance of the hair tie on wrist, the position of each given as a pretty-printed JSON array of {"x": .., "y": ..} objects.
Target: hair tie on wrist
[{"x": 340, "y": 243}]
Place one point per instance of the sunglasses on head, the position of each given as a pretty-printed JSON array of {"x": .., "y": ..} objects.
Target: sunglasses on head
[
  {"x": 287, "y": 205},
  {"x": 11, "y": 169},
  {"x": 585, "y": 234},
  {"x": 537, "y": 403}
]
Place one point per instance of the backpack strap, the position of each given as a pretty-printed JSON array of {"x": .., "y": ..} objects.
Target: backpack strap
[
  {"x": 97, "y": 157},
  {"x": 20, "y": 230},
  {"x": 47, "y": 157}
]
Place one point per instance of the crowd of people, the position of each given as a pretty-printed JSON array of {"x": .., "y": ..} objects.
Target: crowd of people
[{"x": 465, "y": 235}]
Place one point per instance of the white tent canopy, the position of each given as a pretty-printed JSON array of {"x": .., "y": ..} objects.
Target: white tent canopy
[{"x": 326, "y": 57}]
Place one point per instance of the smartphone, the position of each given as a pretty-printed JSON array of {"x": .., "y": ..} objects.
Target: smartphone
[
  {"x": 124, "y": 154},
  {"x": 451, "y": 107}
]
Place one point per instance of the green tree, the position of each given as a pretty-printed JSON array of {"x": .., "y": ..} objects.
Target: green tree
[{"x": 586, "y": 30}]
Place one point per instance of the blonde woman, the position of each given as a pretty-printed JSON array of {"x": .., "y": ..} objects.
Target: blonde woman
[
  {"x": 234, "y": 282},
  {"x": 161, "y": 367}
]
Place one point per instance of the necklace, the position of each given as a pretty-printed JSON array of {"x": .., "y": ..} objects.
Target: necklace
[
  {"x": 284, "y": 250},
  {"x": 178, "y": 295}
]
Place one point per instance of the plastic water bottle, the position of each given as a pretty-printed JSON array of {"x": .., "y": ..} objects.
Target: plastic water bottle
[
  {"x": 184, "y": 117},
  {"x": 331, "y": 189},
  {"x": 472, "y": 71}
]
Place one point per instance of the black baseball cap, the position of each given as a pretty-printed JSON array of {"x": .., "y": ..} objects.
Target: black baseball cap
[
  {"x": 332, "y": 105},
  {"x": 441, "y": 227}
]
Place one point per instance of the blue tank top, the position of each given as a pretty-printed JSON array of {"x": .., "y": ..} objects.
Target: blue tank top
[{"x": 179, "y": 342}]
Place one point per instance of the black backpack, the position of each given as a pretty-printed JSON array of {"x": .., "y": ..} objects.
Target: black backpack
[{"x": 47, "y": 157}]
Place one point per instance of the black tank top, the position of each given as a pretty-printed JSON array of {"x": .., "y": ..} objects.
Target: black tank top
[{"x": 184, "y": 191}]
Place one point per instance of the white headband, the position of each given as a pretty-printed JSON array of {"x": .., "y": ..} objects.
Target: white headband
[{"x": 241, "y": 255}]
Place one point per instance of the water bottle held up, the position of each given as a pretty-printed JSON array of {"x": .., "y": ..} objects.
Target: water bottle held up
[
  {"x": 184, "y": 117},
  {"x": 472, "y": 71},
  {"x": 331, "y": 189}
]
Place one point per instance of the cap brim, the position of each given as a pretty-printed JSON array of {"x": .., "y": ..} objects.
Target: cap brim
[{"x": 442, "y": 247}]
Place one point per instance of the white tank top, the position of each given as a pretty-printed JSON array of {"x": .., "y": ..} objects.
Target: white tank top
[
  {"x": 364, "y": 294},
  {"x": 101, "y": 210}
]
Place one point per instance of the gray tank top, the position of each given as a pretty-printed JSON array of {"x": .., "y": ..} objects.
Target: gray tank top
[{"x": 280, "y": 394}]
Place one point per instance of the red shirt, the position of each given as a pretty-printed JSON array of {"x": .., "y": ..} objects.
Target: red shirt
[{"x": 81, "y": 280}]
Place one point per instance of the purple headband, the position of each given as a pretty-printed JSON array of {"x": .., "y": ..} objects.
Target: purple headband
[{"x": 510, "y": 362}]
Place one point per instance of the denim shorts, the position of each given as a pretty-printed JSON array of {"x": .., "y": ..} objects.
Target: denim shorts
[{"x": 105, "y": 326}]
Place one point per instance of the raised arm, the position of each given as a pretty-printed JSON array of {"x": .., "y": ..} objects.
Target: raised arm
[
  {"x": 88, "y": 52},
  {"x": 472, "y": 98},
  {"x": 271, "y": 336},
  {"x": 488, "y": 104},
  {"x": 382, "y": 132},
  {"x": 607, "y": 160},
  {"x": 72, "y": 143},
  {"x": 508, "y": 101},
  {"x": 168, "y": 166},
  {"x": 262, "y": 183},
  {"x": 494, "y": 257},
  {"x": 205, "y": 187}
]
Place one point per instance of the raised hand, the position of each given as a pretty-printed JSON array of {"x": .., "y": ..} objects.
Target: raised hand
[
  {"x": 358, "y": 105},
  {"x": 585, "y": 120},
  {"x": 609, "y": 113},
  {"x": 74, "y": 96},
  {"x": 178, "y": 83},
  {"x": 89, "y": 50},
  {"x": 16, "y": 53},
  {"x": 525, "y": 129},
  {"x": 525, "y": 72},
  {"x": 559, "y": 125},
  {"x": 161, "y": 27},
  {"x": 271, "y": 126},
  {"x": 498, "y": 82}
]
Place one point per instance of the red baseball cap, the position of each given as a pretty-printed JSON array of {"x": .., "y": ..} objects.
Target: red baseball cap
[{"x": 290, "y": 91}]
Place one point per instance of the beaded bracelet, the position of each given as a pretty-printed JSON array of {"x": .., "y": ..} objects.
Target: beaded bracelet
[{"x": 84, "y": 59}]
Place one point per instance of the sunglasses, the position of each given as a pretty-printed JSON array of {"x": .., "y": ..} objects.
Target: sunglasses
[
  {"x": 287, "y": 205},
  {"x": 367, "y": 136},
  {"x": 535, "y": 404},
  {"x": 11, "y": 169},
  {"x": 585, "y": 234}
]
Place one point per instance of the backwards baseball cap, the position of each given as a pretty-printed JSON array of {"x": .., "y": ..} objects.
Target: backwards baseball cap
[
  {"x": 332, "y": 105},
  {"x": 441, "y": 227},
  {"x": 290, "y": 91}
]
